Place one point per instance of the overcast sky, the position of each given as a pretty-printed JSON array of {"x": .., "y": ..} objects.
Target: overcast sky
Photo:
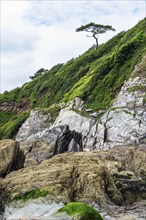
[{"x": 36, "y": 34}]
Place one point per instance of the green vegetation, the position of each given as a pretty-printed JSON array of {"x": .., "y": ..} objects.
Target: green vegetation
[
  {"x": 96, "y": 77},
  {"x": 137, "y": 88},
  {"x": 32, "y": 194},
  {"x": 11, "y": 127},
  {"x": 81, "y": 210},
  {"x": 4, "y": 117},
  {"x": 53, "y": 110},
  {"x": 95, "y": 29}
]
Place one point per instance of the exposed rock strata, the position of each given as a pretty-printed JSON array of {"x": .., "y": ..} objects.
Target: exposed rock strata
[
  {"x": 37, "y": 122},
  {"x": 126, "y": 121},
  {"x": 85, "y": 176},
  {"x": 13, "y": 106},
  {"x": 51, "y": 142},
  {"x": 11, "y": 157},
  {"x": 68, "y": 177},
  {"x": 92, "y": 131},
  {"x": 116, "y": 175}
]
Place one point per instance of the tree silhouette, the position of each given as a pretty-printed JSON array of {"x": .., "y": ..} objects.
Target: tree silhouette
[{"x": 95, "y": 30}]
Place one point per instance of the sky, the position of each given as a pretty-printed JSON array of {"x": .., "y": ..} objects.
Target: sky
[{"x": 39, "y": 34}]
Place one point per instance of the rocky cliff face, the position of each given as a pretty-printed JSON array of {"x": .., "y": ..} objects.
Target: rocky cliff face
[
  {"x": 123, "y": 123},
  {"x": 126, "y": 121},
  {"x": 13, "y": 106}
]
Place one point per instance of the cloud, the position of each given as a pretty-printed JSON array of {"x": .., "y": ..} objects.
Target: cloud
[{"x": 38, "y": 34}]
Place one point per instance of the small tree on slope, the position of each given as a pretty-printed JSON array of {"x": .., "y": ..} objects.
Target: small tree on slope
[{"x": 95, "y": 30}]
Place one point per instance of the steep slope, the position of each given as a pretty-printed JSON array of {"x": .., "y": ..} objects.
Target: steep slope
[{"x": 96, "y": 77}]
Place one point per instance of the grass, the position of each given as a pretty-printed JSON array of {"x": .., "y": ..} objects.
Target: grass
[
  {"x": 11, "y": 127},
  {"x": 95, "y": 76},
  {"x": 83, "y": 211}
]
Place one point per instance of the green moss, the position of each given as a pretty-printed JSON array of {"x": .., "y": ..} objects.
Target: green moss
[
  {"x": 81, "y": 210},
  {"x": 32, "y": 194}
]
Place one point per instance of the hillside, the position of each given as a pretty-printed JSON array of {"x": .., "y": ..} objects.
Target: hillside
[{"x": 96, "y": 77}]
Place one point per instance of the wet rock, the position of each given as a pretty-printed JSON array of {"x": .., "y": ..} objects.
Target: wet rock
[{"x": 11, "y": 157}]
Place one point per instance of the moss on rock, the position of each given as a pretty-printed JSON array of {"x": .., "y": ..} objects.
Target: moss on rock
[{"x": 80, "y": 211}]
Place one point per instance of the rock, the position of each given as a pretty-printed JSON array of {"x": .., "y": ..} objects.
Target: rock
[
  {"x": 126, "y": 121},
  {"x": 13, "y": 106},
  {"x": 3, "y": 199},
  {"x": 94, "y": 114},
  {"x": 86, "y": 177},
  {"x": 68, "y": 177},
  {"x": 89, "y": 110},
  {"x": 38, "y": 121},
  {"x": 131, "y": 189},
  {"x": 51, "y": 142},
  {"x": 92, "y": 132},
  {"x": 35, "y": 209},
  {"x": 79, "y": 211},
  {"x": 11, "y": 157},
  {"x": 67, "y": 141},
  {"x": 77, "y": 104}
]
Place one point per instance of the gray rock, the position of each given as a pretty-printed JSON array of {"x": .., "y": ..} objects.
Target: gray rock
[
  {"x": 77, "y": 104},
  {"x": 51, "y": 142},
  {"x": 37, "y": 122},
  {"x": 92, "y": 132},
  {"x": 126, "y": 121}
]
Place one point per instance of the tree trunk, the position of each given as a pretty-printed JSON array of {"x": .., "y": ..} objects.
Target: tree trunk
[{"x": 96, "y": 38}]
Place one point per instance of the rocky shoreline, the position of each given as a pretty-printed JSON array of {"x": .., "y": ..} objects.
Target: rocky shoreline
[{"x": 113, "y": 181}]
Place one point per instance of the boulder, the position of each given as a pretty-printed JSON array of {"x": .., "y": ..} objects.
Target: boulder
[
  {"x": 38, "y": 121},
  {"x": 51, "y": 142},
  {"x": 11, "y": 157},
  {"x": 67, "y": 177},
  {"x": 92, "y": 132}
]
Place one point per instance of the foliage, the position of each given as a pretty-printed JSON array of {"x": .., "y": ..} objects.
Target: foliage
[
  {"x": 9, "y": 129},
  {"x": 83, "y": 211},
  {"x": 38, "y": 73},
  {"x": 4, "y": 117},
  {"x": 32, "y": 194},
  {"x": 95, "y": 29},
  {"x": 96, "y": 76}
]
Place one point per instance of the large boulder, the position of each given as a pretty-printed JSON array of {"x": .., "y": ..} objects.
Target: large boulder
[
  {"x": 116, "y": 175},
  {"x": 51, "y": 142},
  {"x": 11, "y": 157},
  {"x": 67, "y": 177},
  {"x": 92, "y": 132},
  {"x": 38, "y": 121}
]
